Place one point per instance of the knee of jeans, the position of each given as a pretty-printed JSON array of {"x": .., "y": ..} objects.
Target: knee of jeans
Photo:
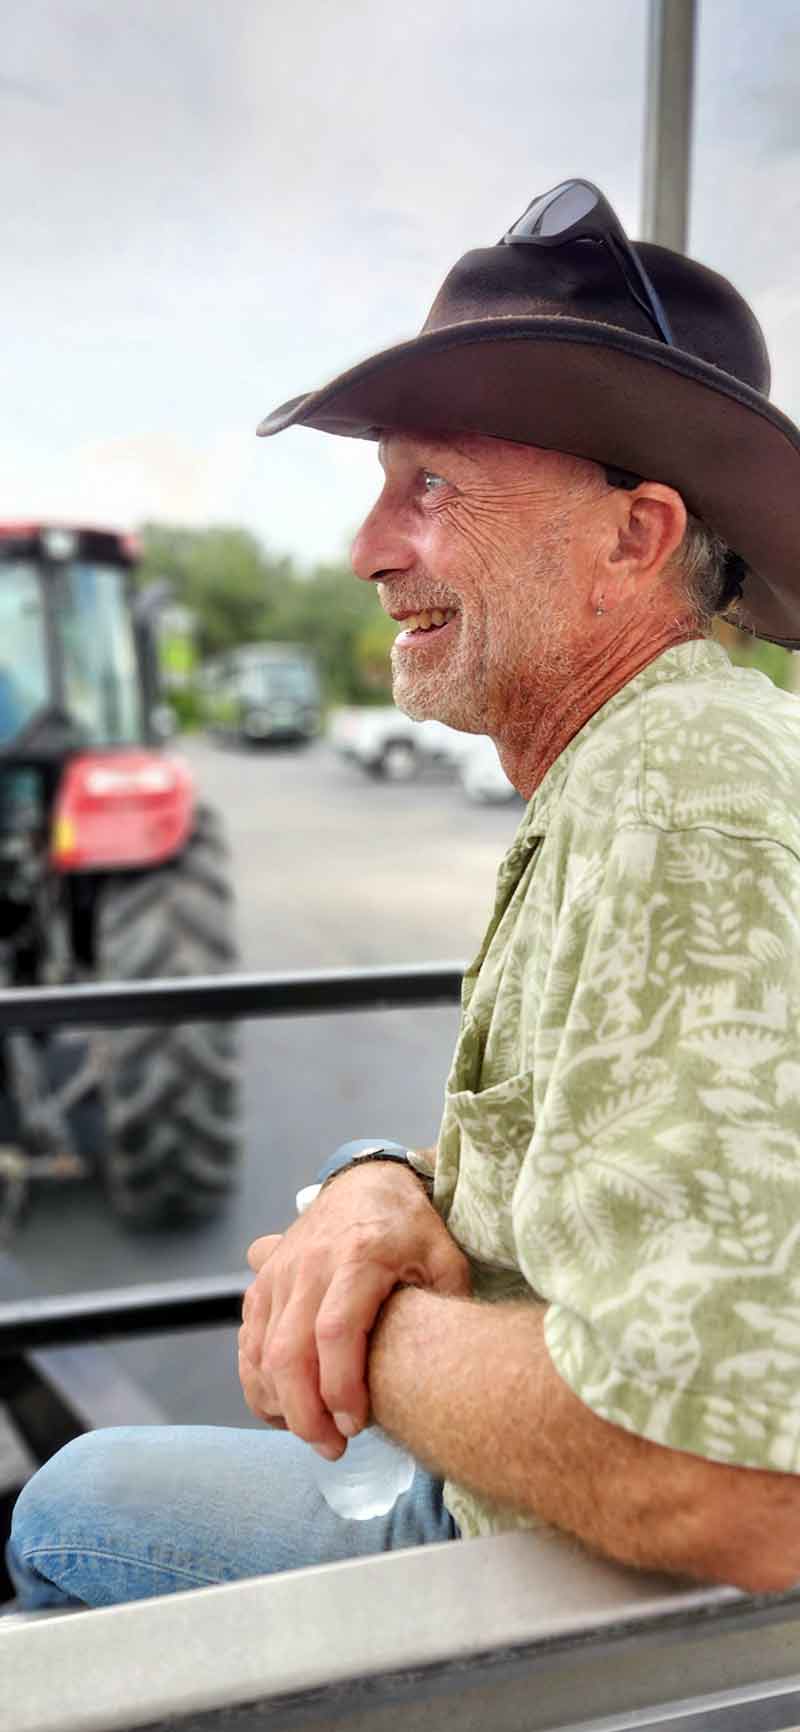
[{"x": 88, "y": 1469}]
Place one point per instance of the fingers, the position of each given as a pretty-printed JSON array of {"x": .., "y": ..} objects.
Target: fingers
[
  {"x": 345, "y": 1317},
  {"x": 259, "y": 1395},
  {"x": 317, "y": 1291},
  {"x": 256, "y": 1308},
  {"x": 279, "y": 1381},
  {"x": 448, "y": 1270},
  {"x": 290, "y": 1360},
  {"x": 261, "y": 1250}
]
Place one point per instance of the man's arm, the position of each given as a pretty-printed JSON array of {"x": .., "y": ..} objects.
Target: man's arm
[
  {"x": 471, "y": 1390},
  {"x": 318, "y": 1290}
]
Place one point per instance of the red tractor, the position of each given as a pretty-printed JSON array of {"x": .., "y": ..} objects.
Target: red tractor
[{"x": 110, "y": 869}]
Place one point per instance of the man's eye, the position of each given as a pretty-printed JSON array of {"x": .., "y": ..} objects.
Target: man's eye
[{"x": 430, "y": 481}]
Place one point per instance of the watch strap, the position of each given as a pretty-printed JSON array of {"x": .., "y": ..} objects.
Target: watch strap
[{"x": 380, "y": 1154}]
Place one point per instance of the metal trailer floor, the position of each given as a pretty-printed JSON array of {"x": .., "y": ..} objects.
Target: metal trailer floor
[{"x": 518, "y": 1633}]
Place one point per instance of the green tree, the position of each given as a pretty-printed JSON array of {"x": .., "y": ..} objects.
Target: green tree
[
  {"x": 240, "y": 593},
  {"x": 329, "y": 611},
  {"x": 222, "y": 574},
  {"x": 780, "y": 665},
  {"x": 372, "y": 655}
]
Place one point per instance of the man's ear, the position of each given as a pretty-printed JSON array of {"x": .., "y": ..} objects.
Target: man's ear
[{"x": 650, "y": 526}]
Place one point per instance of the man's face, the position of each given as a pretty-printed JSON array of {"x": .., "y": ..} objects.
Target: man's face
[{"x": 496, "y": 536}]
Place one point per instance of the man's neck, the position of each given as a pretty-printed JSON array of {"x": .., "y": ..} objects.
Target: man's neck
[{"x": 527, "y": 755}]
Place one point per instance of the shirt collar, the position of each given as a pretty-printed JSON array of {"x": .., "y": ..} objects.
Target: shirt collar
[{"x": 681, "y": 661}]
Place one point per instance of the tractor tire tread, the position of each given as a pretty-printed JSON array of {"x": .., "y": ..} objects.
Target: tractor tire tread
[{"x": 172, "y": 1094}]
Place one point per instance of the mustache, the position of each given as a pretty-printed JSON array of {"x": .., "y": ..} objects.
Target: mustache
[{"x": 394, "y": 600}]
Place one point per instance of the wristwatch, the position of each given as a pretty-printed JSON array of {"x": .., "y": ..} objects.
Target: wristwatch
[{"x": 375, "y": 1152}]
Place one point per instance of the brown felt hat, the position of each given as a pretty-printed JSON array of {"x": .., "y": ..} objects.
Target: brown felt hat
[{"x": 548, "y": 347}]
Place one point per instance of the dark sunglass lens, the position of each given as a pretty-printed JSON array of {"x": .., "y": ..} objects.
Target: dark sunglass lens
[
  {"x": 555, "y": 211},
  {"x": 528, "y": 223},
  {"x": 571, "y": 205}
]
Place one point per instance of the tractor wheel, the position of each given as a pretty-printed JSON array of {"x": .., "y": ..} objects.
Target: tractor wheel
[{"x": 170, "y": 1094}]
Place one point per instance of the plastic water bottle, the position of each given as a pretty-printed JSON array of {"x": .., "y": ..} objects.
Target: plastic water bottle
[
  {"x": 373, "y": 1472},
  {"x": 368, "y": 1479}
]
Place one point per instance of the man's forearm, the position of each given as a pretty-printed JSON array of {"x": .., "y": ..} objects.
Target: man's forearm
[{"x": 471, "y": 1390}]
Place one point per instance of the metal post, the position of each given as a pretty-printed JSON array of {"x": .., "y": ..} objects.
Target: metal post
[{"x": 668, "y": 121}]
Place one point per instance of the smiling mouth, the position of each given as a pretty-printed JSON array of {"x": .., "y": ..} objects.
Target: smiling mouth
[{"x": 429, "y": 623}]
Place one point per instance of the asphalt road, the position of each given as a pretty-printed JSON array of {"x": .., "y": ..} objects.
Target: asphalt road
[{"x": 331, "y": 869}]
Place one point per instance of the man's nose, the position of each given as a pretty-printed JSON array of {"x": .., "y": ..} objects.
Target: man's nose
[{"x": 382, "y": 543}]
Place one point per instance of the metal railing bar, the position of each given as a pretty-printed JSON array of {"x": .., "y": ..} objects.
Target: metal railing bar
[
  {"x": 122, "y": 1004},
  {"x": 154, "y": 1308}
]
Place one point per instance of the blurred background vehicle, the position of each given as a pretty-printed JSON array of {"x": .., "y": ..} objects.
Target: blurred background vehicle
[
  {"x": 263, "y": 693},
  {"x": 481, "y": 773},
  {"x": 388, "y": 744},
  {"x": 110, "y": 869}
]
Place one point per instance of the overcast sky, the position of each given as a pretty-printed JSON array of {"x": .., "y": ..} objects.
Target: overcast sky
[{"x": 211, "y": 205}]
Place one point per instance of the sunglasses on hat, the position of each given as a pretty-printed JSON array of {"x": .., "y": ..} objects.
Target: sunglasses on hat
[{"x": 576, "y": 210}]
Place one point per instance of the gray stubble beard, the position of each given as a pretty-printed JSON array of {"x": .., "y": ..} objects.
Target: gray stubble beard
[
  {"x": 441, "y": 694},
  {"x": 458, "y": 691},
  {"x": 459, "y": 695}
]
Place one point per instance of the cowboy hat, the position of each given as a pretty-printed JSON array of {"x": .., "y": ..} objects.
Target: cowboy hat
[{"x": 551, "y": 346}]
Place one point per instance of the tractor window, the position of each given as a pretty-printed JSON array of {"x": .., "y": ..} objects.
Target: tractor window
[
  {"x": 101, "y": 676},
  {"x": 24, "y": 682}
]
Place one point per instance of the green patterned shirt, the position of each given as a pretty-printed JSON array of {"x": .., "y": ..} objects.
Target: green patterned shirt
[{"x": 621, "y": 1131}]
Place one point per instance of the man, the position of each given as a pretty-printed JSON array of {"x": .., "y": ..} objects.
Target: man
[{"x": 594, "y": 1322}]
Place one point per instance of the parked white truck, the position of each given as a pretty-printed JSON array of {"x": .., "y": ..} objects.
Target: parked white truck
[{"x": 387, "y": 743}]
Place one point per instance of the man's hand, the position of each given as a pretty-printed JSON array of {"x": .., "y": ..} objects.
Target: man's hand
[{"x": 317, "y": 1293}]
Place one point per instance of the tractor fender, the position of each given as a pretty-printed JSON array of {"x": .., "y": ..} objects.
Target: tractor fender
[{"x": 125, "y": 808}]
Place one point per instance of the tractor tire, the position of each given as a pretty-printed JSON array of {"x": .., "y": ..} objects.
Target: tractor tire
[{"x": 170, "y": 1094}]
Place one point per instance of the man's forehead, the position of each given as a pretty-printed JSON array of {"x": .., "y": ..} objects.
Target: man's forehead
[
  {"x": 422, "y": 447},
  {"x": 475, "y": 452}
]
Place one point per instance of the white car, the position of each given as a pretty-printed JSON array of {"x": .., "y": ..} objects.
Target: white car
[
  {"x": 388, "y": 743},
  {"x": 481, "y": 773}
]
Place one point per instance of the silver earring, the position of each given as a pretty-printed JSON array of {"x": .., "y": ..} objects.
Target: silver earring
[{"x": 599, "y": 610}]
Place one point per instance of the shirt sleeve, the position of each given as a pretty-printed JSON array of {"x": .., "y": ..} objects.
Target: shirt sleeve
[{"x": 658, "y": 1207}]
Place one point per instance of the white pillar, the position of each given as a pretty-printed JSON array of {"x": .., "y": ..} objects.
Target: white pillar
[{"x": 668, "y": 122}]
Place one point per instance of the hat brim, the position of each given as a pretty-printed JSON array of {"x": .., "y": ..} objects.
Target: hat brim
[{"x": 608, "y": 395}]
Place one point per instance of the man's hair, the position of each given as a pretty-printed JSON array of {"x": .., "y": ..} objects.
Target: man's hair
[
  {"x": 704, "y": 564},
  {"x": 710, "y": 574}
]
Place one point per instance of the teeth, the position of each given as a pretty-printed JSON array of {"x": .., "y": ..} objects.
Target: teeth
[{"x": 423, "y": 621}]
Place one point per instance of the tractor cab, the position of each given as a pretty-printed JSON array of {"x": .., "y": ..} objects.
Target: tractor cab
[
  {"x": 78, "y": 681},
  {"x": 76, "y": 667}
]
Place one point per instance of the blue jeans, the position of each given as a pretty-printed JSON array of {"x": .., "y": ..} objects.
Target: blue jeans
[{"x": 127, "y": 1513}]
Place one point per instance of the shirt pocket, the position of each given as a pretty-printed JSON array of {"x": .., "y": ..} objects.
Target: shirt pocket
[{"x": 494, "y": 1129}]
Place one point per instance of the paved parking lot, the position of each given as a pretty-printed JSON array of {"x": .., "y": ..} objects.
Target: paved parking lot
[{"x": 331, "y": 869}]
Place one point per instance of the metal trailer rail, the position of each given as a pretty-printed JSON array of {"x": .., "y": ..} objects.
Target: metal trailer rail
[
  {"x": 52, "y": 1385},
  {"x": 518, "y": 1633},
  {"x": 237, "y": 996}
]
